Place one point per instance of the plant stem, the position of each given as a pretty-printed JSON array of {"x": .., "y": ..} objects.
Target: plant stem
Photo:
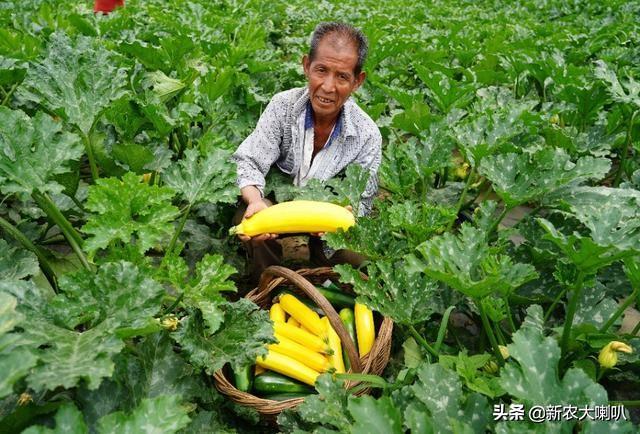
[
  {"x": 443, "y": 328},
  {"x": 179, "y": 229},
  {"x": 555, "y": 302},
  {"x": 625, "y": 150},
  {"x": 636, "y": 329},
  {"x": 495, "y": 224},
  {"x": 626, "y": 403},
  {"x": 88, "y": 146},
  {"x": 571, "y": 311},
  {"x": 72, "y": 236},
  {"x": 628, "y": 302},
  {"x": 8, "y": 95},
  {"x": 463, "y": 195},
  {"x": 45, "y": 265},
  {"x": 512, "y": 324},
  {"x": 489, "y": 331},
  {"x": 422, "y": 341}
]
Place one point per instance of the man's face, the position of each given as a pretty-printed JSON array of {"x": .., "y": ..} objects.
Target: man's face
[{"x": 331, "y": 76}]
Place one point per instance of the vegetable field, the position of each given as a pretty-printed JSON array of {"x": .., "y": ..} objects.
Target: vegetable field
[{"x": 504, "y": 243}]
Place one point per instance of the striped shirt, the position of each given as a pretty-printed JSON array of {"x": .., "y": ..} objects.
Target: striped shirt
[{"x": 279, "y": 137}]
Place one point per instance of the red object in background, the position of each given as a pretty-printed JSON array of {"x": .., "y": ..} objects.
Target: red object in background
[{"x": 106, "y": 6}]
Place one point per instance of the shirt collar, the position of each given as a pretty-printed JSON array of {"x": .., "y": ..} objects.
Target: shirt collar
[
  {"x": 345, "y": 121},
  {"x": 337, "y": 129}
]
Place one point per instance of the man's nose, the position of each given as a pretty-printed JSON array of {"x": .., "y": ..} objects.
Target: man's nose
[{"x": 329, "y": 84}]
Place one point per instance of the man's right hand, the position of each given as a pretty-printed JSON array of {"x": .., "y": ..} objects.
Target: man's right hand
[{"x": 253, "y": 208}]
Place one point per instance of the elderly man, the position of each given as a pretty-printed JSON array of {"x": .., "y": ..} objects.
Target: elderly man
[{"x": 311, "y": 132}]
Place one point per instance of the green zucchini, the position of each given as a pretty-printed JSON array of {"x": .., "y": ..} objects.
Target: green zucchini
[
  {"x": 271, "y": 383},
  {"x": 338, "y": 299},
  {"x": 285, "y": 396},
  {"x": 243, "y": 378},
  {"x": 346, "y": 315}
]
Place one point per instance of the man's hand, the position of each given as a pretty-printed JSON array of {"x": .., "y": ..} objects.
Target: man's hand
[{"x": 253, "y": 208}]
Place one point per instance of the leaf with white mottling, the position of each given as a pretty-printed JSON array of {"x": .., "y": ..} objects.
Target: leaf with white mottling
[
  {"x": 468, "y": 264},
  {"x": 76, "y": 80},
  {"x": 16, "y": 263},
  {"x": 32, "y": 151},
  {"x": 68, "y": 420},
  {"x": 162, "y": 414},
  {"x": 521, "y": 178}
]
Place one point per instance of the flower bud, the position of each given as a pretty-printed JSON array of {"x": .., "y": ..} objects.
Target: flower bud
[
  {"x": 170, "y": 323},
  {"x": 608, "y": 356},
  {"x": 24, "y": 399},
  {"x": 504, "y": 351}
]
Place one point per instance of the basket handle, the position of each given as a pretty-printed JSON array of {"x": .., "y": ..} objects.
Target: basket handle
[{"x": 307, "y": 287}]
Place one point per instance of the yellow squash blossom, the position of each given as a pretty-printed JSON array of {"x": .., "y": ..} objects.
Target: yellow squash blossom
[{"x": 609, "y": 353}]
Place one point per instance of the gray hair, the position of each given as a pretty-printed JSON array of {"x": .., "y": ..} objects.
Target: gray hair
[{"x": 341, "y": 30}]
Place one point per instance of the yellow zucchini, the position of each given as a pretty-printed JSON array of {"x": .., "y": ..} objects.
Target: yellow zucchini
[
  {"x": 365, "y": 329},
  {"x": 296, "y": 216},
  {"x": 302, "y": 314},
  {"x": 296, "y": 334},
  {"x": 276, "y": 313},
  {"x": 292, "y": 321},
  {"x": 286, "y": 346},
  {"x": 285, "y": 365},
  {"x": 258, "y": 370},
  {"x": 335, "y": 359}
]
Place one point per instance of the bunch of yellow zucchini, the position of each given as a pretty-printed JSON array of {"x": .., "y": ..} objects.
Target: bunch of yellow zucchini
[{"x": 307, "y": 344}]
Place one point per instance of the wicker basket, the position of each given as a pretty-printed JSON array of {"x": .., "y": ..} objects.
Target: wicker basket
[{"x": 302, "y": 282}]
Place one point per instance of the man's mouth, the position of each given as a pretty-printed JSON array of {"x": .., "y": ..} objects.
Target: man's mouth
[{"x": 324, "y": 100}]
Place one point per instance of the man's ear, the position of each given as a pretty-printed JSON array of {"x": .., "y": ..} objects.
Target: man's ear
[
  {"x": 359, "y": 80},
  {"x": 305, "y": 65}
]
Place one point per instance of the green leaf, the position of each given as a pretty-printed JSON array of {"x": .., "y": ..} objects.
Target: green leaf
[
  {"x": 33, "y": 151},
  {"x": 210, "y": 179},
  {"x": 626, "y": 92},
  {"x": 521, "y": 178},
  {"x": 76, "y": 80},
  {"x": 593, "y": 307},
  {"x": 16, "y": 358},
  {"x": 394, "y": 291},
  {"x": 133, "y": 157},
  {"x": 419, "y": 220},
  {"x": 72, "y": 357},
  {"x": 245, "y": 331},
  {"x": 468, "y": 264},
  {"x": 436, "y": 403},
  {"x": 612, "y": 215},
  {"x": 119, "y": 292},
  {"x": 68, "y": 420},
  {"x": 203, "y": 291},
  {"x": 162, "y": 85},
  {"x": 582, "y": 252},
  {"x": 16, "y": 263},
  {"x": 446, "y": 94},
  {"x": 161, "y": 414},
  {"x": 375, "y": 416},
  {"x": 351, "y": 186},
  {"x": 128, "y": 212},
  {"x": 329, "y": 406}
]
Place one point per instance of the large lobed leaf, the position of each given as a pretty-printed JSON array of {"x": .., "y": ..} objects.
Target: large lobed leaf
[
  {"x": 468, "y": 264},
  {"x": 119, "y": 293},
  {"x": 128, "y": 212},
  {"x": 33, "y": 151},
  {"x": 245, "y": 331},
  {"x": 162, "y": 414},
  {"x": 393, "y": 290},
  {"x": 209, "y": 179},
  {"x": 611, "y": 214},
  {"x": 521, "y": 178},
  {"x": 16, "y": 358},
  {"x": 16, "y": 263},
  {"x": 76, "y": 80},
  {"x": 531, "y": 374}
]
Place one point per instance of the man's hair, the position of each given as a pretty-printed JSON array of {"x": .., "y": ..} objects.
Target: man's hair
[{"x": 340, "y": 30}]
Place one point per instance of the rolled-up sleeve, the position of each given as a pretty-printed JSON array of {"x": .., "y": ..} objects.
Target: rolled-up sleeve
[
  {"x": 369, "y": 159},
  {"x": 261, "y": 148}
]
